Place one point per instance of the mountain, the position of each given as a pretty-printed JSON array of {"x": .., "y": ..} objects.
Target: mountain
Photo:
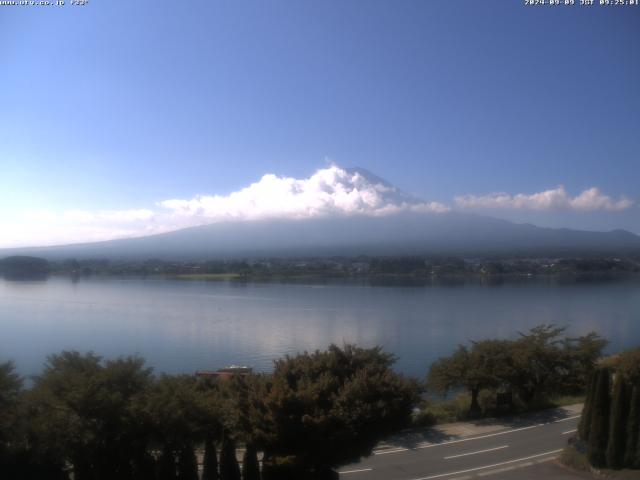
[
  {"x": 348, "y": 212},
  {"x": 401, "y": 234}
]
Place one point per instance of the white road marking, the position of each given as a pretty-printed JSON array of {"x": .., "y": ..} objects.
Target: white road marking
[
  {"x": 497, "y": 470},
  {"x": 504, "y": 432},
  {"x": 565, "y": 419},
  {"x": 356, "y": 471},
  {"x": 475, "y": 453},
  {"x": 542, "y": 460},
  {"x": 490, "y": 466},
  {"x": 385, "y": 452},
  {"x": 570, "y": 431}
]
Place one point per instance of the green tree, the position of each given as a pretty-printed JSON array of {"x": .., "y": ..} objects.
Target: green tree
[
  {"x": 167, "y": 467},
  {"x": 187, "y": 464},
  {"x": 618, "y": 423},
  {"x": 487, "y": 365},
  {"x": 633, "y": 427},
  {"x": 82, "y": 407},
  {"x": 347, "y": 397},
  {"x": 229, "y": 468},
  {"x": 587, "y": 410},
  {"x": 581, "y": 355},
  {"x": 210, "y": 461},
  {"x": 599, "y": 431},
  {"x": 11, "y": 465},
  {"x": 628, "y": 363},
  {"x": 539, "y": 363},
  {"x": 250, "y": 465},
  {"x": 181, "y": 412},
  {"x": 10, "y": 391}
]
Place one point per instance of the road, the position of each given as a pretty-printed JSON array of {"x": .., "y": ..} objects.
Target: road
[{"x": 476, "y": 456}]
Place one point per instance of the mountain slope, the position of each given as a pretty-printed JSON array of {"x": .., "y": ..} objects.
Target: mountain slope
[
  {"x": 407, "y": 233},
  {"x": 339, "y": 211}
]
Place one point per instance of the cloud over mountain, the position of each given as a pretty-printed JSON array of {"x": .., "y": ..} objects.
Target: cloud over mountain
[
  {"x": 329, "y": 191},
  {"x": 589, "y": 200}
]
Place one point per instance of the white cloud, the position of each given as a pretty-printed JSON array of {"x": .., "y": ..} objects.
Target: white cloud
[
  {"x": 86, "y": 216},
  {"x": 589, "y": 200},
  {"x": 46, "y": 227},
  {"x": 330, "y": 191}
]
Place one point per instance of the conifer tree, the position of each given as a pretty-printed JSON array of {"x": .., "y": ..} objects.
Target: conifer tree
[
  {"x": 599, "y": 432},
  {"x": 618, "y": 423},
  {"x": 229, "y": 468},
  {"x": 167, "y": 465},
  {"x": 210, "y": 462},
  {"x": 636, "y": 461},
  {"x": 585, "y": 420},
  {"x": 187, "y": 464},
  {"x": 633, "y": 429},
  {"x": 250, "y": 466}
]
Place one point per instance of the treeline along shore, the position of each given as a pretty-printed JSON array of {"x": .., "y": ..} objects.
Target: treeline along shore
[
  {"x": 85, "y": 417},
  {"x": 362, "y": 267}
]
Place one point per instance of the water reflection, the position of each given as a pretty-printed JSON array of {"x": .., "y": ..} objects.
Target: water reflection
[{"x": 183, "y": 326}]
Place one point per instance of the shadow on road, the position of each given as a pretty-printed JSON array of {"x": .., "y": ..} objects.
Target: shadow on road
[{"x": 447, "y": 432}]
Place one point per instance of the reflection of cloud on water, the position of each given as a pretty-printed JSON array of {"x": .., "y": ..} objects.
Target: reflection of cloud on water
[{"x": 180, "y": 326}]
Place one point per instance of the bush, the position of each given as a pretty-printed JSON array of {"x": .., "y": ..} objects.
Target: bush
[
  {"x": 423, "y": 418},
  {"x": 449, "y": 411},
  {"x": 347, "y": 397},
  {"x": 574, "y": 459}
]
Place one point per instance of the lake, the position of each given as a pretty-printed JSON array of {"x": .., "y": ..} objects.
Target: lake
[{"x": 183, "y": 326}]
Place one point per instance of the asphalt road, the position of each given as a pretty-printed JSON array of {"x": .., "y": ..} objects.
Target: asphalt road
[{"x": 470, "y": 457}]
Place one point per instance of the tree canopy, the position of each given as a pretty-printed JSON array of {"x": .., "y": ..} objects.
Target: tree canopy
[{"x": 537, "y": 364}]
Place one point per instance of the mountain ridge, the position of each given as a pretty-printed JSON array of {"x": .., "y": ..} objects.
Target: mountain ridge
[
  {"x": 452, "y": 233},
  {"x": 352, "y": 212}
]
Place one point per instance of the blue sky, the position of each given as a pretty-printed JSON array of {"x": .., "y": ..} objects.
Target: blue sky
[{"x": 119, "y": 106}]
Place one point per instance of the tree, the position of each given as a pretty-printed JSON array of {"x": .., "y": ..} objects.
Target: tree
[
  {"x": 167, "y": 468},
  {"x": 10, "y": 390},
  {"x": 489, "y": 364},
  {"x": 628, "y": 364},
  {"x": 187, "y": 464},
  {"x": 10, "y": 447},
  {"x": 347, "y": 397},
  {"x": 633, "y": 427},
  {"x": 210, "y": 461},
  {"x": 250, "y": 465},
  {"x": 584, "y": 426},
  {"x": 618, "y": 424},
  {"x": 81, "y": 407},
  {"x": 451, "y": 372},
  {"x": 539, "y": 362},
  {"x": 580, "y": 357},
  {"x": 229, "y": 468},
  {"x": 599, "y": 431},
  {"x": 181, "y": 412}
]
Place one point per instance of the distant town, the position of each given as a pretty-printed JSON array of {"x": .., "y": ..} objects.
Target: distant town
[{"x": 364, "y": 267}]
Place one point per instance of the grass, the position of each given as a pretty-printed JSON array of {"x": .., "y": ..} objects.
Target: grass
[
  {"x": 572, "y": 458},
  {"x": 565, "y": 400},
  {"x": 457, "y": 408}
]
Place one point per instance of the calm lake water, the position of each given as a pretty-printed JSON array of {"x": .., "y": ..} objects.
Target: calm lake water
[{"x": 182, "y": 326}]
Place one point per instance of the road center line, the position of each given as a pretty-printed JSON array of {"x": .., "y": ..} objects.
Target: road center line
[
  {"x": 489, "y": 466},
  {"x": 565, "y": 419},
  {"x": 475, "y": 453},
  {"x": 356, "y": 471},
  {"x": 395, "y": 450},
  {"x": 504, "y": 432}
]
